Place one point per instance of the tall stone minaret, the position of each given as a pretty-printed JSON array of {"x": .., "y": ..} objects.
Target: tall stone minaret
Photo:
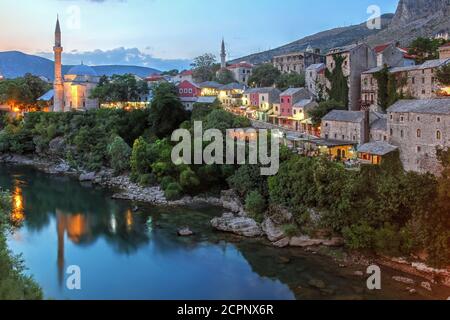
[
  {"x": 223, "y": 56},
  {"x": 58, "y": 85}
]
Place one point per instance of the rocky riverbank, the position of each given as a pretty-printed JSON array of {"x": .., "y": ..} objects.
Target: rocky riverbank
[{"x": 235, "y": 220}]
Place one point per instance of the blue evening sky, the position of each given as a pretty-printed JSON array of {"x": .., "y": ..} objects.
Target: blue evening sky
[{"x": 151, "y": 30}]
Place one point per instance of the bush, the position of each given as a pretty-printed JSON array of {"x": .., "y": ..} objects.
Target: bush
[
  {"x": 255, "y": 205},
  {"x": 166, "y": 181},
  {"x": 148, "y": 179},
  {"x": 290, "y": 230},
  {"x": 189, "y": 180},
  {"x": 173, "y": 191},
  {"x": 359, "y": 236},
  {"x": 119, "y": 153},
  {"x": 139, "y": 161}
]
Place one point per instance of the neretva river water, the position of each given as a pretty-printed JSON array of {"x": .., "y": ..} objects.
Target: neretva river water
[{"x": 137, "y": 255}]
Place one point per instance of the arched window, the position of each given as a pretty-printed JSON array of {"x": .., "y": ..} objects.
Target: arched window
[
  {"x": 438, "y": 135},
  {"x": 419, "y": 133}
]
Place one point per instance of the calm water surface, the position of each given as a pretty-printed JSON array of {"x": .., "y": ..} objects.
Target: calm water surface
[{"x": 137, "y": 255}]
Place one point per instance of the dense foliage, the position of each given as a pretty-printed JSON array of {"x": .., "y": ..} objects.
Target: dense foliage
[
  {"x": 443, "y": 75},
  {"x": 323, "y": 109},
  {"x": 120, "y": 88},
  {"x": 264, "y": 75},
  {"x": 425, "y": 49},
  {"x": 23, "y": 92},
  {"x": 380, "y": 208},
  {"x": 290, "y": 80},
  {"x": 14, "y": 285},
  {"x": 204, "y": 67},
  {"x": 339, "y": 89},
  {"x": 387, "y": 88}
]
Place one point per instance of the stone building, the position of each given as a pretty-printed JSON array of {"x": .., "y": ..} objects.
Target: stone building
[
  {"x": 444, "y": 51},
  {"x": 315, "y": 79},
  {"x": 297, "y": 62},
  {"x": 420, "y": 81},
  {"x": 418, "y": 128},
  {"x": 345, "y": 125},
  {"x": 357, "y": 59},
  {"x": 417, "y": 82},
  {"x": 393, "y": 56}
]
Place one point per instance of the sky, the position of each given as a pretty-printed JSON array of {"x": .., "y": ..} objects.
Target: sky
[{"x": 169, "y": 33}]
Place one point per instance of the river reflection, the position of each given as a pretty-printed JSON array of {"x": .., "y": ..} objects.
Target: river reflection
[{"x": 137, "y": 255}]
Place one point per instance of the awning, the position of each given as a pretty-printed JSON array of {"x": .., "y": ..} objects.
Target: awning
[{"x": 47, "y": 96}]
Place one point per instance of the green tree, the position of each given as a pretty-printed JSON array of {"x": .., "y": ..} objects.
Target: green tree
[
  {"x": 264, "y": 75},
  {"x": 290, "y": 80},
  {"x": 425, "y": 49},
  {"x": 225, "y": 76},
  {"x": 140, "y": 163},
  {"x": 172, "y": 72},
  {"x": 167, "y": 111},
  {"x": 323, "y": 109},
  {"x": 204, "y": 67},
  {"x": 119, "y": 154},
  {"x": 339, "y": 83},
  {"x": 443, "y": 75},
  {"x": 120, "y": 88},
  {"x": 14, "y": 285},
  {"x": 255, "y": 205}
]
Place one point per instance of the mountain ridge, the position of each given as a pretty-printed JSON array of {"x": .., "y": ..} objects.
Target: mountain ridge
[
  {"x": 412, "y": 19},
  {"x": 15, "y": 64}
]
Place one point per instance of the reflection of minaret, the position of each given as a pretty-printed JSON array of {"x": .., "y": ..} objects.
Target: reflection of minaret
[
  {"x": 58, "y": 85},
  {"x": 61, "y": 227},
  {"x": 223, "y": 56}
]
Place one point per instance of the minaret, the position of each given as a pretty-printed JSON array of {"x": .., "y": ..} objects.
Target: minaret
[
  {"x": 58, "y": 85},
  {"x": 223, "y": 56}
]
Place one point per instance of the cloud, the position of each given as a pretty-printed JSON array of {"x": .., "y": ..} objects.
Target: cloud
[{"x": 119, "y": 56}]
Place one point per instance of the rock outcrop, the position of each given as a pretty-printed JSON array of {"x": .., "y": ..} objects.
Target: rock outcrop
[{"x": 242, "y": 226}]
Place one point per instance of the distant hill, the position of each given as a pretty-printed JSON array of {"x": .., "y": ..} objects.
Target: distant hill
[
  {"x": 15, "y": 64},
  {"x": 412, "y": 19},
  {"x": 324, "y": 40}
]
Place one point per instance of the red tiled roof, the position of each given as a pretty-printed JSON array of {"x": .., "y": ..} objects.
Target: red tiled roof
[
  {"x": 154, "y": 77},
  {"x": 381, "y": 47},
  {"x": 187, "y": 73},
  {"x": 446, "y": 45}
]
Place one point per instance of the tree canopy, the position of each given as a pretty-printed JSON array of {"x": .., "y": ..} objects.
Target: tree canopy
[
  {"x": 205, "y": 67},
  {"x": 264, "y": 75},
  {"x": 166, "y": 112},
  {"x": 323, "y": 109},
  {"x": 290, "y": 80},
  {"x": 23, "y": 92},
  {"x": 120, "y": 88},
  {"x": 425, "y": 49}
]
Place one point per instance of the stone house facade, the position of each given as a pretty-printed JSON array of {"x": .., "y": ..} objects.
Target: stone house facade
[
  {"x": 297, "y": 62},
  {"x": 418, "y": 128},
  {"x": 357, "y": 59},
  {"x": 315, "y": 79}
]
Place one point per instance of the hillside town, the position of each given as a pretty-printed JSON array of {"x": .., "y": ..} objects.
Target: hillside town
[
  {"x": 364, "y": 129},
  {"x": 121, "y": 168}
]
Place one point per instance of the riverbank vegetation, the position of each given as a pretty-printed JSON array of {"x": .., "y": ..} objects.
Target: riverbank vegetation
[
  {"x": 380, "y": 208},
  {"x": 14, "y": 285}
]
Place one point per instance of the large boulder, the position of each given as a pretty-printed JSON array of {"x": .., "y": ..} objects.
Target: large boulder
[
  {"x": 86, "y": 177},
  {"x": 272, "y": 231},
  {"x": 280, "y": 215},
  {"x": 304, "y": 241},
  {"x": 242, "y": 226},
  {"x": 57, "y": 146},
  {"x": 230, "y": 201}
]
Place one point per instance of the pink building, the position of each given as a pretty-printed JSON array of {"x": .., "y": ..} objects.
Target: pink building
[{"x": 288, "y": 99}]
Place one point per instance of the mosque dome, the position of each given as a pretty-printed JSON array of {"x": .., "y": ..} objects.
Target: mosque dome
[{"x": 82, "y": 70}]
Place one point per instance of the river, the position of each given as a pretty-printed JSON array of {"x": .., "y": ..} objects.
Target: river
[{"x": 124, "y": 254}]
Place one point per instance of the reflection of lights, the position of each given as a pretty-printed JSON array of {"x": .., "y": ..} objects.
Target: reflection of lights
[
  {"x": 150, "y": 224},
  {"x": 17, "y": 213},
  {"x": 76, "y": 227},
  {"x": 113, "y": 223},
  {"x": 129, "y": 219}
]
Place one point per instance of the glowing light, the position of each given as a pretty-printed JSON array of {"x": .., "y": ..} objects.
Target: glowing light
[{"x": 17, "y": 213}]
